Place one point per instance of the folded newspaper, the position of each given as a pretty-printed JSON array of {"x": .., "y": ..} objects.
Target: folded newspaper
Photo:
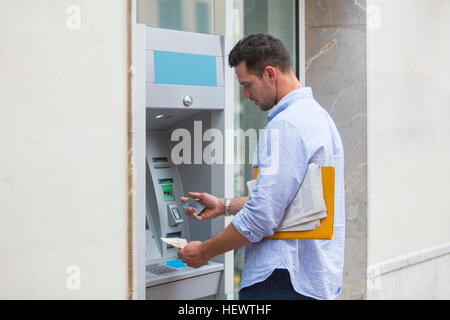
[{"x": 308, "y": 206}]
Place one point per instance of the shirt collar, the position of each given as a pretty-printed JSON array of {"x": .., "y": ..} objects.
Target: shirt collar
[{"x": 305, "y": 92}]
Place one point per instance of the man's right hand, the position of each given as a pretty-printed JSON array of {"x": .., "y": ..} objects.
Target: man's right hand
[{"x": 214, "y": 206}]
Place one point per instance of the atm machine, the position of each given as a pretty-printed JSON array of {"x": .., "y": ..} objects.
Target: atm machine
[{"x": 184, "y": 86}]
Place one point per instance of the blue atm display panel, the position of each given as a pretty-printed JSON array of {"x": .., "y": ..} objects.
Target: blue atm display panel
[{"x": 185, "y": 69}]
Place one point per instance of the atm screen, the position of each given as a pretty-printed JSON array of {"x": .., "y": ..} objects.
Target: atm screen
[{"x": 168, "y": 193}]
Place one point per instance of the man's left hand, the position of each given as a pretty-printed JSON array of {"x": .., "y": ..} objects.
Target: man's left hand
[{"x": 194, "y": 254}]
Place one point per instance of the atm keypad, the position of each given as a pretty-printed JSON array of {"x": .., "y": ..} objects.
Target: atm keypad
[{"x": 157, "y": 268}]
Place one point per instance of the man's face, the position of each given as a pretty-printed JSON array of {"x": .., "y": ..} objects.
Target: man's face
[{"x": 259, "y": 90}]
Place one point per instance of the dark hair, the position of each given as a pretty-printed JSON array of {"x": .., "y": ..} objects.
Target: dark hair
[{"x": 259, "y": 51}]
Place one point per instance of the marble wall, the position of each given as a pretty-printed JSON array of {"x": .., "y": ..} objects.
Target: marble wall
[{"x": 336, "y": 71}]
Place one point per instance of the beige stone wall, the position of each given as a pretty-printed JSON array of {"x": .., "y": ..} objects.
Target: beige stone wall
[
  {"x": 63, "y": 149},
  {"x": 408, "y": 148},
  {"x": 408, "y": 131}
]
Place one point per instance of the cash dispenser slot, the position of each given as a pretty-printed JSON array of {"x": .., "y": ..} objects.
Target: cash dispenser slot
[{"x": 160, "y": 162}]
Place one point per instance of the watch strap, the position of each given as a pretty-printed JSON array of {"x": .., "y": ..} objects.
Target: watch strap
[{"x": 227, "y": 206}]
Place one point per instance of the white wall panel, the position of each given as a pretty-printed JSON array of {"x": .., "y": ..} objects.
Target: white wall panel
[
  {"x": 408, "y": 117},
  {"x": 63, "y": 149}
]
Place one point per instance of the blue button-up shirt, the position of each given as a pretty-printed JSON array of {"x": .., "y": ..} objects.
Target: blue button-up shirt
[{"x": 299, "y": 132}]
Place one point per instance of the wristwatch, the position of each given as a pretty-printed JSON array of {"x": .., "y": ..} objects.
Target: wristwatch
[{"x": 227, "y": 207}]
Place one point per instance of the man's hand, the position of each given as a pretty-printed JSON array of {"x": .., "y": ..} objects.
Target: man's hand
[
  {"x": 214, "y": 207},
  {"x": 194, "y": 254}
]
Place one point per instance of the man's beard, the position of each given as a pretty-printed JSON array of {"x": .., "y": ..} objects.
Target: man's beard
[
  {"x": 266, "y": 106},
  {"x": 268, "y": 103}
]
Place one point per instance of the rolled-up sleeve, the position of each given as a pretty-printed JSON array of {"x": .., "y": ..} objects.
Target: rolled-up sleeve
[{"x": 282, "y": 160}]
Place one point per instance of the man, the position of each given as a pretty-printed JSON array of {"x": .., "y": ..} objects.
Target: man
[{"x": 278, "y": 269}]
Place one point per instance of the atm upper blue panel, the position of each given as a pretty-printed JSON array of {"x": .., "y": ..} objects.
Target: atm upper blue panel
[{"x": 184, "y": 69}]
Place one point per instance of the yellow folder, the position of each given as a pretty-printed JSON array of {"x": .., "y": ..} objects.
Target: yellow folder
[{"x": 325, "y": 230}]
